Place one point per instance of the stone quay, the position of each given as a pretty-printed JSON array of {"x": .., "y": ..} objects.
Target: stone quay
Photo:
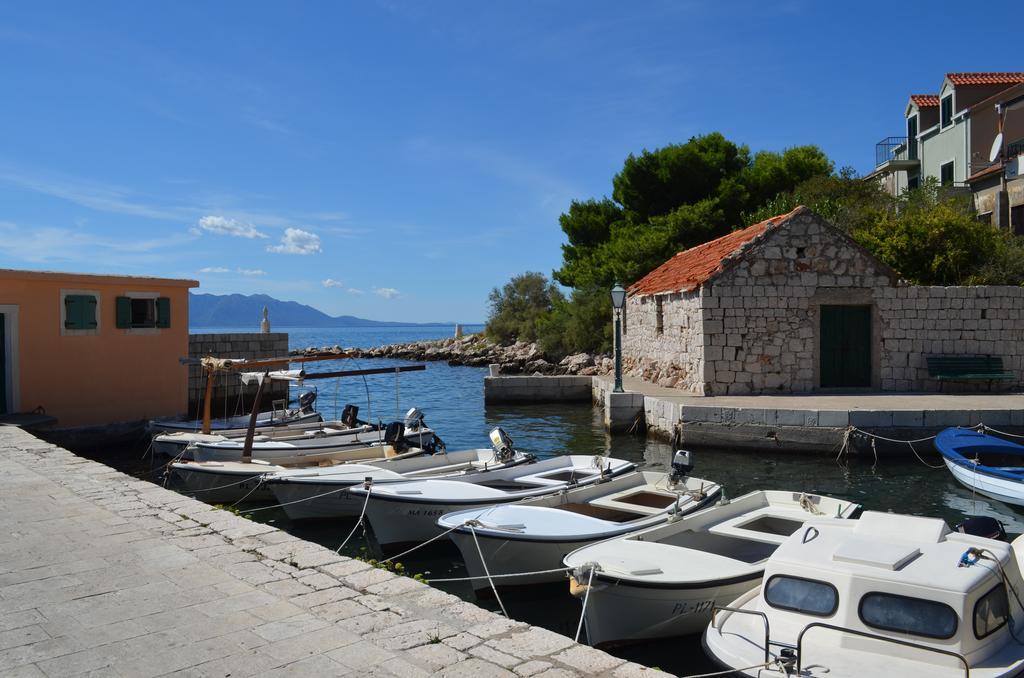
[{"x": 103, "y": 574}]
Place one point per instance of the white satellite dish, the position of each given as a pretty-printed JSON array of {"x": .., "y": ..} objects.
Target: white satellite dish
[{"x": 997, "y": 147}]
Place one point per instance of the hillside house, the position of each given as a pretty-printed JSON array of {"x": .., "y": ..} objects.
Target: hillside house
[{"x": 793, "y": 305}]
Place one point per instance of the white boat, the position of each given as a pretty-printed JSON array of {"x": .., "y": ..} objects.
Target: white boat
[
  {"x": 535, "y": 535},
  {"x": 323, "y": 492},
  {"x": 232, "y": 481},
  {"x": 350, "y": 430},
  {"x": 303, "y": 414},
  {"x": 664, "y": 581},
  {"x": 887, "y": 595},
  {"x": 403, "y": 514}
]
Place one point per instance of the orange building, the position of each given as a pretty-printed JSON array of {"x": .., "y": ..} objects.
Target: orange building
[{"x": 93, "y": 349}]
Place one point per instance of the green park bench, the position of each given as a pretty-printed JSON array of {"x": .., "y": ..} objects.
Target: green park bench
[{"x": 967, "y": 368}]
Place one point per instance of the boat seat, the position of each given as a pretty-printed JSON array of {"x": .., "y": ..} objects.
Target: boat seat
[
  {"x": 556, "y": 477},
  {"x": 643, "y": 500},
  {"x": 771, "y": 523}
]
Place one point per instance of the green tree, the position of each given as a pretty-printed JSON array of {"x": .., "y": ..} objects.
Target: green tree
[{"x": 518, "y": 307}]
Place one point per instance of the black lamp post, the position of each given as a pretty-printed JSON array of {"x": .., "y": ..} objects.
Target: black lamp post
[{"x": 618, "y": 303}]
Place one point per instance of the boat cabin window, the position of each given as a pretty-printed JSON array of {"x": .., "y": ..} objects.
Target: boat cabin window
[
  {"x": 903, "y": 614},
  {"x": 991, "y": 612},
  {"x": 801, "y": 595}
]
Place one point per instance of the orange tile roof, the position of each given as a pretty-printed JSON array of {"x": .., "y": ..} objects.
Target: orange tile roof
[
  {"x": 689, "y": 269},
  {"x": 1000, "y": 78},
  {"x": 925, "y": 100}
]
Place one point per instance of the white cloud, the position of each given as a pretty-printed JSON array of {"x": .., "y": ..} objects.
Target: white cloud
[
  {"x": 225, "y": 226},
  {"x": 214, "y": 269},
  {"x": 331, "y": 282},
  {"x": 297, "y": 241},
  {"x": 386, "y": 292},
  {"x": 354, "y": 290},
  {"x": 252, "y": 271}
]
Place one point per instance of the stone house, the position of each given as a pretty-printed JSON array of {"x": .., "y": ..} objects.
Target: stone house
[{"x": 794, "y": 305}]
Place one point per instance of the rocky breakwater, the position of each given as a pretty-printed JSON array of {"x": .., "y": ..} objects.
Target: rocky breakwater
[{"x": 476, "y": 351}]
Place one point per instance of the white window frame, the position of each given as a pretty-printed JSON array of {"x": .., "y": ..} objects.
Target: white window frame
[
  {"x": 143, "y": 330},
  {"x": 10, "y": 349},
  {"x": 943, "y": 164},
  {"x": 64, "y": 331}
]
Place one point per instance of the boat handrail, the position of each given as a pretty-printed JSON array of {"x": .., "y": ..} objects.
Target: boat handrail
[
  {"x": 767, "y": 629},
  {"x": 872, "y": 636}
]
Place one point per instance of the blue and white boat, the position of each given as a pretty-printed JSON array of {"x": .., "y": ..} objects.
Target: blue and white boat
[{"x": 990, "y": 466}]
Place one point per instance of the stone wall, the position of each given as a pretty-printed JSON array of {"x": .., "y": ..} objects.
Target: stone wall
[
  {"x": 760, "y": 316},
  {"x": 922, "y": 321},
  {"x": 228, "y": 387},
  {"x": 673, "y": 355}
]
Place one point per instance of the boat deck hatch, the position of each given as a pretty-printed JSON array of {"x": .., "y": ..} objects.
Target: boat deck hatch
[
  {"x": 600, "y": 512},
  {"x": 508, "y": 485},
  {"x": 737, "y": 548},
  {"x": 874, "y": 553},
  {"x": 772, "y": 525},
  {"x": 650, "y": 499}
]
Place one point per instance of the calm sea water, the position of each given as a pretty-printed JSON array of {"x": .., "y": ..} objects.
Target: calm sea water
[{"x": 452, "y": 401}]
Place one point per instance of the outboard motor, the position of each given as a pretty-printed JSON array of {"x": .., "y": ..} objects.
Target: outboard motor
[
  {"x": 983, "y": 526},
  {"x": 306, "y": 401},
  {"x": 394, "y": 435},
  {"x": 414, "y": 420},
  {"x": 350, "y": 416},
  {"x": 502, "y": 444},
  {"x": 682, "y": 464}
]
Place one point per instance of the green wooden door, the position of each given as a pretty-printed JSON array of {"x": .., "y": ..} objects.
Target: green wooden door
[
  {"x": 3, "y": 366},
  {"x": 845, "y": 346}
]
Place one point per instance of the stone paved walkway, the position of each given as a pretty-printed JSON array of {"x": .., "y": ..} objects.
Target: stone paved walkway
[{"x": 102, "y": 574}]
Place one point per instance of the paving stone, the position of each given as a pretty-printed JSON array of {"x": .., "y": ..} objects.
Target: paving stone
[
  {"x": 632, "y": 670},
  {"x": 533, "y": 642},
  {"x": 494, "y": 656},
  {"x": 462, "y": 641},
  {"x": 531, "y": 668},
  {"x": 475, "y": 668},
  {"x": 587, "y": 660},
  {"x": 436, "y": 655}
]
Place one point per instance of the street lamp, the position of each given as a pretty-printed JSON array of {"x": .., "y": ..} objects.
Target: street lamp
[{"x": 618, "y": 303}]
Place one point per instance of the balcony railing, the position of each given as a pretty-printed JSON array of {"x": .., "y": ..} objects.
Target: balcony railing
[
  {"x": 891, "y": 148},
  {"x": 1015, "y": 149}
]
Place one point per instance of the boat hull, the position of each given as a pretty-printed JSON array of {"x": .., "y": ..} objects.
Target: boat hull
[
  {"x": 242, "y": 421},
  {"x": 1005, "y": 490},
  {"x": 620, "y": 613},
  {"x": 222, "y": 488},
  {"x": 307, "y": 501},
  {"x": 505, "y": 556},
  {"x": 402, "y": 524}
]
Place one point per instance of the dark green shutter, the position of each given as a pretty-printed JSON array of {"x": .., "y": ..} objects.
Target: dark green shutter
[
  {"x": 163, "y": 312},
  {"x": 80, "y": 312},
  {"x": 124, "y": 312}
]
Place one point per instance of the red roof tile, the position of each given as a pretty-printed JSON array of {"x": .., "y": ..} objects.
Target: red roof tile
[
  {"x": 1001, "y": 78},
  {"x": 925, "y": 100},
  {"x": 691, "y": 268}
]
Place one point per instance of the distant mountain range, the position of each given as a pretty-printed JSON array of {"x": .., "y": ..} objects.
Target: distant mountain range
[{"x": 241, "y": 310}]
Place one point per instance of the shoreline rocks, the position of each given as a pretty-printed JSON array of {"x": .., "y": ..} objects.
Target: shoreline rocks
[{"x": 475, "y": 350}]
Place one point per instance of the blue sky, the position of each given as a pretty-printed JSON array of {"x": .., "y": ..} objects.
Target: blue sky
[{"x": 396, "y": 160}]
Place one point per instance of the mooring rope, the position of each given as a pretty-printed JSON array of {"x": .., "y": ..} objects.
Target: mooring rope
[
  {"x": 483, "y": 562},
  {"x": 298, "y": 501},
  {"x": 221, "y": 487},
  {"x": 499, "y": 576},
  {"x": 359, "y": 523},
  {"x": 259, "y": 482},
  {"x": 586, "y": 598},
  {"x": 419, "y": 546}
]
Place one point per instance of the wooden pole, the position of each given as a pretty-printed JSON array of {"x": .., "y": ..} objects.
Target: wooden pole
[
  {"x": 250, "y": 433},
  {"x": 207, "y": 397}
]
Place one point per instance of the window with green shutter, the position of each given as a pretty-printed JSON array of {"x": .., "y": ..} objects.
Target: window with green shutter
[
  {"x": 80, "y": 312},
  {"x": 947, "y": 110},
  {"x": 143, "y": 312}
]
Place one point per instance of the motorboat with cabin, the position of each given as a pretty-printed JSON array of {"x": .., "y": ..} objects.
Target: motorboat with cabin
[
  {"x": 406, "y": 513},
  {"x": 322, "y": 492},
  {"x": 983, "y": 463},
  {"x": 665, "y": 580},
  {"x": 534, "y": 535},
  {"x": 886, "y": 595}
]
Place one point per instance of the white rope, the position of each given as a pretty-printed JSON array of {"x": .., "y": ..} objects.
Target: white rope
[
  {"x": 729, "y": 672},
  {"x": 362, "y": 514},
  {"x": 501, "y": 576},
  {"x": 299, "y": 501},
  {"x": 483, "y": 562},
  {"x": 259, "y": 482},
  {"x": 891, "y": 440},
  {"x": 432, "y": 539},
  {"x": 221, "y": 487},
  {"x": 586, "y": 597},
  {"x": 983, "y": 427},
  {"x": 922, "y": 460}
]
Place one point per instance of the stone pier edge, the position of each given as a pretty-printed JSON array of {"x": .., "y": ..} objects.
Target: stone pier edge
[{"x": 416, "y": 630}]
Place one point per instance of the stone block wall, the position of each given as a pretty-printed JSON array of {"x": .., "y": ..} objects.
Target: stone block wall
[
  {"x": 228, "y": 389},
  {"x": 673, "y": 355},
  {"x": 922, "y": 321},
  {"x": 760, "y": 316}
]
